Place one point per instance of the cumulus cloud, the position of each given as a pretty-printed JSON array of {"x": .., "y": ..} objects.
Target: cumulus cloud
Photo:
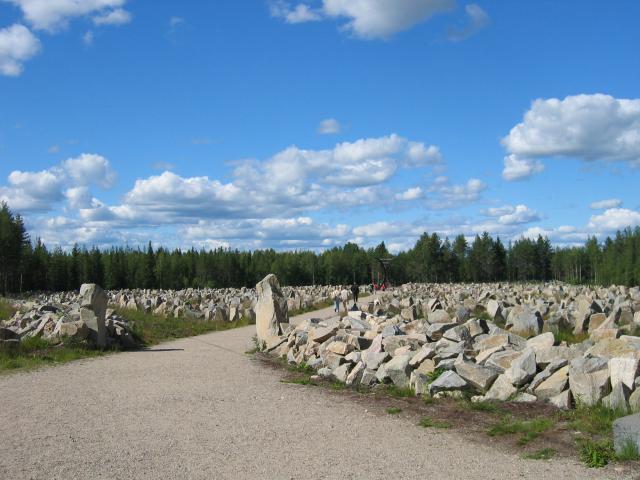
[
  {"x": 447, "y": 195},
  {"x": 366, "y": 19},
  {"x": 516, "y": 168},
  {"x": 112, "y": 17},
  {"x": 17, "y": 45},
  {"x": 329, "y": 126},
  {"x": 477, "y": 19},
  {"x": 300, "y": 13},
  {"x": 40, "y": 191},
  {"x": 410, "y": 194},
  {"x": 510, "y": 215},
  {"x": 605, "y": 204},
  {"x": 54, "y": 15},
  {"x": 614, "y": 219},
  {"x": 586, "y": 127}
]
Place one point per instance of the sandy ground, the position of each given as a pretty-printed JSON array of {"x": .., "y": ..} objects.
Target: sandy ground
[{"x": 200, "y": 408}]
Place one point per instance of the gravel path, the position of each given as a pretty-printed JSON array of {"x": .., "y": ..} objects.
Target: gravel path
[{"x": 199, "y": 408}]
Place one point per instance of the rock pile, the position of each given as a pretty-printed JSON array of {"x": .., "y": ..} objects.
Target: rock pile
[
  {"x": 84, "y": 319},
  {"x": 494, "y": 342}
]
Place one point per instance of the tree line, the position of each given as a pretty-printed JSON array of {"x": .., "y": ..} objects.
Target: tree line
[{"x": 27, "y": 265}]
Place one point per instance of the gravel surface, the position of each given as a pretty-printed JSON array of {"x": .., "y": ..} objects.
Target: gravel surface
[{"x": 200, "y": 408}]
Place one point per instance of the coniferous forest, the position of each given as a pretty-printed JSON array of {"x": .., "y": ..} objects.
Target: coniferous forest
[{"x": 27, "y": 265}]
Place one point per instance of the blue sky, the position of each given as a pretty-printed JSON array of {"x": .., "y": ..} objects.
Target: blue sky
[{"x": 306, "y": 124}]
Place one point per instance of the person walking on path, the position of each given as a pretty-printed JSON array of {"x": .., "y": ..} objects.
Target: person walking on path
[
  {"x": 335, "y": 296},
  {"x": 344, "y": 294},
  {"x": 355, "y": 290}
]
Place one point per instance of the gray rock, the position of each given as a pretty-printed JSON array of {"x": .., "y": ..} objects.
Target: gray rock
[
  {"x": 618, "y": 399},
  {"x": 476, "y": 375},
  {"x": 397, "y": 370},
  {"x": 93, "y": 307},
  {"x": 589, "y": 379},
  {"x": 271, "y": 309},
  {"x": 447, "y": 381},
  {"x": 626, "y": 430},
  {"x": 502, "y": 389},
  {"x": 562, "y": 400},
  {"x": 523, "y": 321}
]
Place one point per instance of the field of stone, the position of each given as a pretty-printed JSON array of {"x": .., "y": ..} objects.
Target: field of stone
[{"x": 561, "y": 347}]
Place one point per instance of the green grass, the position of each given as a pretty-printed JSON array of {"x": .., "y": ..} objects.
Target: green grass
[
  {"x": 433, "y": 376},
  {"x": 301, "y": 381},
  {"x": 483, "y": 406},
  {"x": 566, "y": 335},
  {"x": 596, "y": 420},
  {"x": 596, "y": 454},
  {"x": 428, "y": 422},
  {"x": 151, "y": 329},
  {"x": 542, "y": 454},
  {"x": 36, "y": 352},
  {"x": 338, "y": 386},
  {"x": 302, "y": 368},
  {"x": 7, "y": 310},
  {"x": 393, "y": 410},
  {"x": 528, "y": 429},
  {"x": 401, "y": 392},
  {"x": 628, "y": 452}
]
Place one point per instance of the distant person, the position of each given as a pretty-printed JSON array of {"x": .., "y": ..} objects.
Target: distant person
[
  {"x": 344, "y": 296},
  {"x": 383, "y": 287},
  {"x": 335, "y": 296},
  {"x": 355, "y": 290},
  {"x": 371, "y": 288}
]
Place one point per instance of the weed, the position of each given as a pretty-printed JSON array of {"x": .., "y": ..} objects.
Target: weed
[
  {"x": 393, "y": 410},
  {"x": 301, "y": 368},
  {"x": 483, "y": 406},
  {"x": 338, "y": 386},
  {"x": 7, "y": 309},
  {"x": 542, "y": 454},
  {"x": 567, "y": 335},
  {"x": 258, "y": 345},
  {"x": 301, "y": 381},
  {"x": 395, "y": 391},
  {"x": 529, "y": 429},
  {"x": 629, "y": 451},
  {"x": 596, "y": 454},
  {"x": 433, "y": 376},
  {"x": 594, "y": 420},
  {"x": 428, "y": 422}
]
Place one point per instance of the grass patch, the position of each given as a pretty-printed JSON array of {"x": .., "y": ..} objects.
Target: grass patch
[
  {"x": 433, "y": 376},
  {"x": 428, "y": 422},
  {"x": 528, "y": 429},
  {"x": 393, "y": 410},
  {"x": 629, "y": 451},
  {"x": 566, "y": 335},
  {"x": 401, "y": 392},
  {"x": 301, "y": 381},
  {"x": 7, "y": 310},
  {"x": 596, "y": 420},
  {"x": 302, "y": 368},
  {"x": 36, "y": 352},
  {"x": 152, "y": 329},
  {"x": 542, "y": 454},
  {"x": 338, "y": 386},
  {"x": 483, "y": 406},
  {"x": 316, "y": 306},
  {"x": 596, "y": 454}
]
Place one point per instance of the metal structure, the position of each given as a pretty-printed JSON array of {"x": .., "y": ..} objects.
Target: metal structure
[{"x": 384, "y": 264}]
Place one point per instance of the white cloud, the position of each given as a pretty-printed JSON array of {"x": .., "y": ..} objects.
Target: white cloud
[
  {"x": 89, "y": 168},
  {"x": 586, "y": 127},
  {"x": 301, "y": 13},
  {"x": 53, "y": 15},
  {"x": 516, "y": 168},
  {"x": 410, "y": 194},
  {"x": 17, "y": 45},
  {"x": 112, "y": 17},
  {"x": 605, "y": 204},
  {"x": 477, "y": 19},
  {"x": 366, "y": 19},
  {"x": 614, "y": 219},
  {"x": 515, "y": 215},
  {"x": 381, "y": 18},
  {"x": 454, "y": 196},
  {"x": 78, "y": 197},
  {"x": 88, "y": 38},
  {"x": 41, "y": 191},
  {"x": 329, "y": 126}
]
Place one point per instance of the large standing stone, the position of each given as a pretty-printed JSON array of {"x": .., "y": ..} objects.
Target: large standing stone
[
  {"x": 93, "y": 306},
  {"x": 271, "y": 309},
  {"x": 589, "y": 379},
  {"x": 523, "y": 321}
]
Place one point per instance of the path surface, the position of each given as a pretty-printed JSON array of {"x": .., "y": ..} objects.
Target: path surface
[{"x": 199, "y": 408}]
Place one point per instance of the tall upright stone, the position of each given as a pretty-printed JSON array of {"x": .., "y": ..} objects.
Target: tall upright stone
[
  {"x": 93, "y": 307},
  {"x": 271, "y": 309}
]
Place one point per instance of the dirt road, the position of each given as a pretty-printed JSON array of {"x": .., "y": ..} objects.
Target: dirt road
[{"x": 200, "y": 408}]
